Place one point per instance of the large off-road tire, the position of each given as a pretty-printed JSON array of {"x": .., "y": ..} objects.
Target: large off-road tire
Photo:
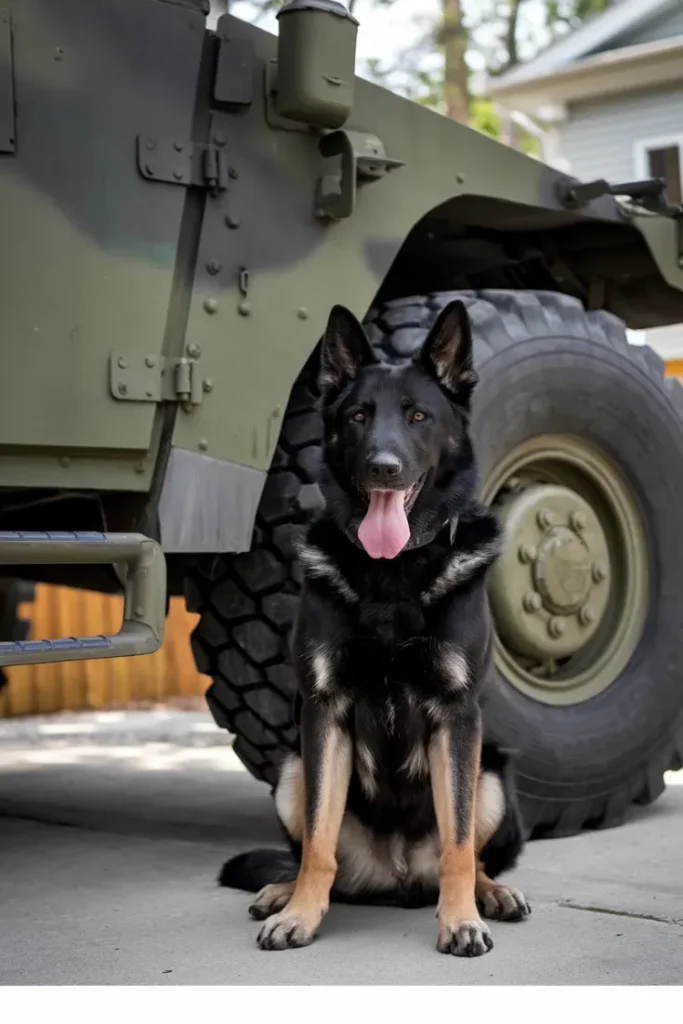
[
  {"x": 247, "y": 602},
  {"x": 592, "y": 735}
]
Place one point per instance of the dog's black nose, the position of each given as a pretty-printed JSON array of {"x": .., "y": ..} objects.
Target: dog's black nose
[{"x": 384, "y": 467}]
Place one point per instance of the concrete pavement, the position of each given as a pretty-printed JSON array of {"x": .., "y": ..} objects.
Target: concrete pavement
[{"x": 110, "y": 843}]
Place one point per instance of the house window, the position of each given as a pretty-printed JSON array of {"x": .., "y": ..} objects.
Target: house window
[{"x": 662, "y": 158}]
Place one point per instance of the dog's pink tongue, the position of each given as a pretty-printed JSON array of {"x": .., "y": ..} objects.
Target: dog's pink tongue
[{"x": 385, "y": 532}]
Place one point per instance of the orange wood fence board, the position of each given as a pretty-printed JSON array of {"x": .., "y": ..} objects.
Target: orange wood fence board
[{"x": 74, "y": 685}]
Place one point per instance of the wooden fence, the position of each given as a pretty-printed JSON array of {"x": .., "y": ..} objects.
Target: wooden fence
[{"x": 73, "y": 685}]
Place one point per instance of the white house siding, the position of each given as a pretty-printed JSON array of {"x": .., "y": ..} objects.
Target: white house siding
[
  {"x": 598, "y": 137},
  {"x": 598, "y": 141}
]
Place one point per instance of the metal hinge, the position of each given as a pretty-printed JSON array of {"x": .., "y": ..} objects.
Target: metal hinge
[
  {"x": 182, "y": 162},
  {"x": 7, "y": 125},
  {"x": 145, "y": 378}
]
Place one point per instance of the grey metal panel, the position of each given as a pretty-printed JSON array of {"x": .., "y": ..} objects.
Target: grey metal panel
[
  {"x": 666, "y": 26},
  {"x": 599, "y": 136},
  {"x": 207, "y": 505}
]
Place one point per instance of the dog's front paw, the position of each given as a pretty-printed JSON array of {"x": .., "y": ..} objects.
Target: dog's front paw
[
  {"x": 464, "y": 938},
  {"x": 503, "y": 903},
  {"x": 288, "y": 930}
]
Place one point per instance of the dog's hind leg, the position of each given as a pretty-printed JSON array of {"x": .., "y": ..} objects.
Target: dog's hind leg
[
  {"x": 328, "y": 755},
  {"x": 271, "y": 899},
  {"x": 496, "y": 819}
]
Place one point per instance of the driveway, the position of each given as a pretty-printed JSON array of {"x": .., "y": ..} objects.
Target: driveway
[{"x": 112, "y": 830}]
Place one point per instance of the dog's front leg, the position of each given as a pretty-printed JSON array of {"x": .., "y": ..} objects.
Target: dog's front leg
[
  {"x": 454, "y": 754},
  {"x": 327, "y": 757}
]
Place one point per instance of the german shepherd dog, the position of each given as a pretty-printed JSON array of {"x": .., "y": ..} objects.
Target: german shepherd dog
[{"x": 394, "y": 798}]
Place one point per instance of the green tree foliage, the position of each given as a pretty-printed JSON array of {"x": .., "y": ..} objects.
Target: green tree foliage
[{"x": 469, "y": 41}]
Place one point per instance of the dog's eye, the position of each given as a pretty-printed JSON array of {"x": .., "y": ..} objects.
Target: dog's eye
[
  {"x": 418, "y": 417},
  {"x": 358, "y": 417}
]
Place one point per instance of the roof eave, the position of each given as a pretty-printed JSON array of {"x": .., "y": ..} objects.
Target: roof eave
[{"x": 654, "y": 64}]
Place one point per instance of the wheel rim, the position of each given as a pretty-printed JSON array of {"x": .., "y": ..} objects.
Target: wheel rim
[{"x": 570, "y": 593}]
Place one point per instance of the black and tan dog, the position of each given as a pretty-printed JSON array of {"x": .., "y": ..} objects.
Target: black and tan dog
[{"x": 395, "y": 799}]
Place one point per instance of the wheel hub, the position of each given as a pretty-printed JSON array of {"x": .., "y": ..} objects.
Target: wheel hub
[{"x": 550, "y": 587}]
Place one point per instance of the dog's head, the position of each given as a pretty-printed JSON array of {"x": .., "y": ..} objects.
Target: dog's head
[{"x": 396, "y": 445}]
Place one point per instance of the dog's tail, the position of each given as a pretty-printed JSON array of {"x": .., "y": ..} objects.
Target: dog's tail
[
  {"x": 505, "y": 845},
  {"x": 251, "y": 871}
]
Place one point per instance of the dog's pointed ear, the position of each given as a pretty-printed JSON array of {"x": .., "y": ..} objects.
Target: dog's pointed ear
[
  {"x": 345, "y": 349},
  {"x": 447, "y": 351}
]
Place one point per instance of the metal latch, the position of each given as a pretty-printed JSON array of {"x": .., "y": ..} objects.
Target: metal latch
[
  {"x": 352, "y": 158},
  {"x": 182, "y": 162},
  {"x": 141, "y": 378}
]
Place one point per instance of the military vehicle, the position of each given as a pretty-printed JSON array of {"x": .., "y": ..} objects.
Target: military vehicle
[{"x": 180, "y": 208}]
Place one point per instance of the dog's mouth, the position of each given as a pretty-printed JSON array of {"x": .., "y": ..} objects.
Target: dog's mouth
[{"x": 384, "y": 531}]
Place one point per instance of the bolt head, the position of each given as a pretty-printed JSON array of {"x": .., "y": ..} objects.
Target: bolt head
[
  {"x": 178, "y": 146},
  {"x": 213, "y": 266},
  {"x": 177, "y": 173},
  {"x": 244, "y": 308},
  {"x": 139, "y": 467},
  {"x": 586, "y": 616},
  {"x": 150, "y": 361},
  {"x": 207, "y": 385},
  {"x": 232, "y": 221},
  {"x": 531, "y": 602},
  {"x": 527, "y": 554},
  {"x": 202, "y": 444},
  {"x": 578, "y": 521},
  {"x": 123, "y": 363},
  {"x": 545, "y": 518},
  {"x": 302, "y": 313},
  {"x": 210, "y": 305},
  {"x": 232, "y": 173},
  {"x": 220, "y": 139},
  {"x": 122, "y": 389},
  {"x": 556, "y": 627},
  {"x": 598, "y": 572},
  {"x": 194, "y": 350}
]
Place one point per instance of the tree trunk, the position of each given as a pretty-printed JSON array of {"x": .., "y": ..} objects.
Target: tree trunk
[{"x": 453, "y": 40}]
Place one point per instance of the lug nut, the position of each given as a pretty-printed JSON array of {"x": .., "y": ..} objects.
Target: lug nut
[
  {"x": 577, "y": 521},
  {"x": 527, "y": 554},
  {"x": 531, "y": 601},
  {"x": 556, "y": 627},
  {"x": 545, "y": 518},
  {"x": 586, "y": 616},
  {"x": 598, "y": 572}
]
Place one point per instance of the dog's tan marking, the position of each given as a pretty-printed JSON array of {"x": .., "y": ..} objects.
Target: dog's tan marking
[
  {"x": 298, "y": 922},
  {"x": 416, "y": 765},
  {"x": 458, "y": 571},
  {"x": 290, "y": 796},
  {"x": 318, "y": 566},
  {"x": 367, "y": 769},
  {"x": 489, "y": 808},
  {"x": 452, "y": 663},
  {"x": 461, "y": 930}
]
